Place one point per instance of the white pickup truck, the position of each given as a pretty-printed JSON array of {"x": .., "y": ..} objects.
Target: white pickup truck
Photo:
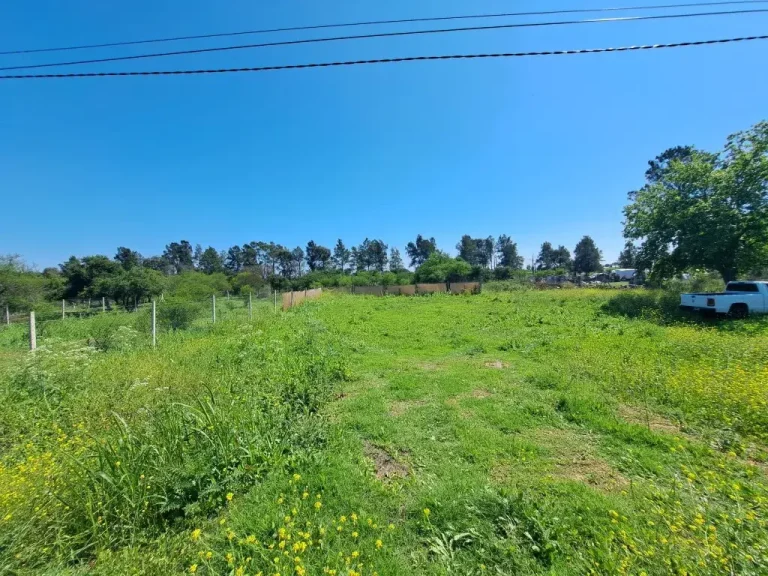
[{"x": 739, "y": 300}]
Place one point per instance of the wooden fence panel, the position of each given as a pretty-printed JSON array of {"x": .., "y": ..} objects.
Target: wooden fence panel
[
  {"x": 403, "y": 290},
  {"x": 370, "y": 290},
  {"x": 462, "y": 287},
  {"x": 431, "y": 288}
]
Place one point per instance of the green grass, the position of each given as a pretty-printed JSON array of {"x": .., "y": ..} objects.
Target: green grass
[{"x": 526, "y": 432}]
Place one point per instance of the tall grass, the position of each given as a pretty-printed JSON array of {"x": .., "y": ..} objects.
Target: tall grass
[{"x": 94, "y": 458}]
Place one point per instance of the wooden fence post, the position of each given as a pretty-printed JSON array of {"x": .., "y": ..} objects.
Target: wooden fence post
[
  {"x": 32, "y": 331},
  {"x": 7, "y": 315},
  {"x": 250, "y": 305},
  {"x": 63, "y": 309},
  {"x": 214, "y": 308},
  {"x": 154, "y": 324},
  {"x": 103, "y": 304}
]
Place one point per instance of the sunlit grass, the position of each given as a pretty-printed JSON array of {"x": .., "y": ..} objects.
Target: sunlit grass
[{"x": 559, "y": 432}]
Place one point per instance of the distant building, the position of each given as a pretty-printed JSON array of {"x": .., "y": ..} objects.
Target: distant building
[{"x": 625, "y": 273}]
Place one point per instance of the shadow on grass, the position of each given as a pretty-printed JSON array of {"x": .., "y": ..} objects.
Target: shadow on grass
[{"x": 662, "y": 307}]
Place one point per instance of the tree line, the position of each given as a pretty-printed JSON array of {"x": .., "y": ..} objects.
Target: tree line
[{"x": 197, "y": 272}]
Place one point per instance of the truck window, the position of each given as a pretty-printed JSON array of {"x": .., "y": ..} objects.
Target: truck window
[{"x": 741, "y": 287}]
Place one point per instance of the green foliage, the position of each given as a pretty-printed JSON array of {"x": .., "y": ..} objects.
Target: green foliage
[
  {"x": 395, "y": 261},
  {"x": 129, "y": 286},
  {"x": 317, "y": 256},
  {"x": 703, "y": 210},
  {"x": 476, "y": 251},
  {"x": 420, "y": 250},
  {"x": 179, "y": 256},
  {"x": 628, "y": 256},
  {"x": 20, "y": 288},
  {"x": 178, "y": 313},
  {"x": 586, "y": 257},
  {"x": 248, "y": 281},
  {"x": 192, "y": 286},
  {"x": 440, "y": 267},
  {"x": 508, "y": 256},
  {"x": 341, "y": 256},
  {"x": 210, "y": 261}
]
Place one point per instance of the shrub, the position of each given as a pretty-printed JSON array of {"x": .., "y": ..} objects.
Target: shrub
[{"x": 177, "y": 314}]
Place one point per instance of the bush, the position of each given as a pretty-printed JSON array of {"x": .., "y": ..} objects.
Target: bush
[
  {"x": 440, "y": 267},
  {"x": 177, "y": 314}
]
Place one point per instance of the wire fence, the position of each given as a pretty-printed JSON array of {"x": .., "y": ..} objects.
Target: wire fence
[{"x": 147, "y": 317}]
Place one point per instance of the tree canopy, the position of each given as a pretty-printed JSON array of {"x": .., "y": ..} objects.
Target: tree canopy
[
  {"x": 704, "y": 210},
  {"x": 586, "y": 256}
]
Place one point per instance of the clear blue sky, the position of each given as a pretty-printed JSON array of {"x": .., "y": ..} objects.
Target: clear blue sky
[{"x": 538, "y": 148}]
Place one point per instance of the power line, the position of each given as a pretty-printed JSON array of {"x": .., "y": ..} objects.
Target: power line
[
  {"x": 384, "y": 60},
  {"x": 385, "y": 35},
  {"x": 379, "y": 22}
]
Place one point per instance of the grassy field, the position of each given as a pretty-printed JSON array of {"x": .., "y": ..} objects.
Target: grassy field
[{"x": 555, "y": 432}]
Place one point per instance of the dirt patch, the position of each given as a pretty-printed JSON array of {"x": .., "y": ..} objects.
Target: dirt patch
[
  {"x": 648, "y": 419},
  {"x": 384, "y": 464},
  {"x": 501, "y": 473},
  {"x": 400, "y": 407},
  {"x": 572, "y": 456},
  {"x": 478, "y": 394},
  {"x": 497, "y": 364},
  {"x": 429, "y": 366}
]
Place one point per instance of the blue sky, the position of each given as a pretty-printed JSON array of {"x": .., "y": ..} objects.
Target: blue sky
[{"x": 537, "y": 148}]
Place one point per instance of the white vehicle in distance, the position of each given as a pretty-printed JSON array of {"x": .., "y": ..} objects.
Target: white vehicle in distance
[{"x": 739, "y": 300}]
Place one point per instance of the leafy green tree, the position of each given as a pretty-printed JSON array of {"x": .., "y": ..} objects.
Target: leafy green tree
[
  {"x": 179, "y": 256},
  {"x": 20, "y": 287},
  {"x": 156, "y": 263},
  {"x": 489, "y": 251},
  {"x": 586, "y": 256},
  {"x": 80, "y": 275},
  {"x": 703, "y": 210},
  {"x": 377, "y": 255},
  {"x": 318, "y": 257},
  {"x": 562, "y": 258},
  {"x": 297, "y": 260},
  {"x": 196, "y": 286},
  {"x": 440, "y": 267},
  {"x": 395, "y": 261},
  {"x": 507, "y": 252},
  {"x": 249, "y": 256},
  {"x": 466, "y": 249},
  {"x": 127, "y": 258},
  {"x": 130, "y": 286},
  {"x": 197, "y": 255},
  {"x": 546, "y": 258},
  {"x": 233, "y": 261},
  {"x": 341, "y": 256},
  {"x": 628, "y": 256},
  {"x": 211, "y": 262},
  {"x": 420, "y": 250}
]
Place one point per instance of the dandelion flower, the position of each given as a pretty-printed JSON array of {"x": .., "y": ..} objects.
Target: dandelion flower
[{"x": 193, "y": 569}]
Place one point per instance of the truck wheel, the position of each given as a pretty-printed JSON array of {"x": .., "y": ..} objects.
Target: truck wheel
[{"x": 738, "y": 311}]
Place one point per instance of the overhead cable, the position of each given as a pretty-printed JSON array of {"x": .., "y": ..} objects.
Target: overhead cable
[
  {"x": 380, "y": 22},
  {"x": 383, "y": 35},
  {"x": 381, "y": 61}
]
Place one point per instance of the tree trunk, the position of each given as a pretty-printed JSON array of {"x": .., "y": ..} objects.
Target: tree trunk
[{"x": 728, "y": 274}]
